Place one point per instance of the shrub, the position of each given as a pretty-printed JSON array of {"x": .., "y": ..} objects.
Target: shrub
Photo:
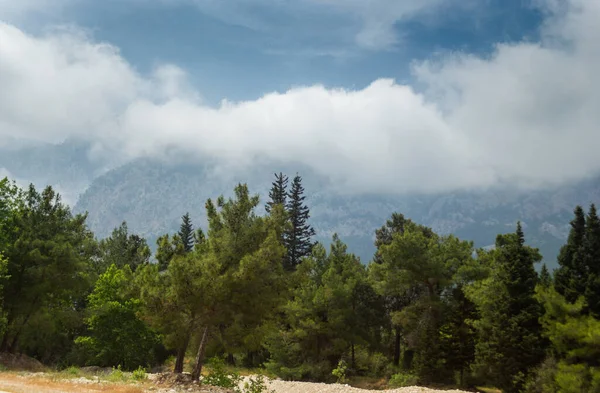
[
  {"x": 139, "y": 374},
  {"x": 218, "y": 376},
  {"x": 542, "y": 379},
  {"x": 403, "y": 379},
  {"x": 340, "y": 371},
  {"x": 256, "y": 385},
  {"x": 117, "y": 375},
  {"x": 71, "y": 372}
]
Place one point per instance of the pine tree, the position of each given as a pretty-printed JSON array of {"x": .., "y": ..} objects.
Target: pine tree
[
  {"x": 186, "y": 233},
  {"x": 278, "y": 192},
  {"x": 570, "y": 275},
  {"x": 545, "y": 277},
  {"x": 591, "y": 262},
  {"x": 297, "y": 238},
  {"x": 510, "y": 342}
]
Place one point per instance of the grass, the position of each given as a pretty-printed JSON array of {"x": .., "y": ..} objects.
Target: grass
[{"x": 486, "y": 389}]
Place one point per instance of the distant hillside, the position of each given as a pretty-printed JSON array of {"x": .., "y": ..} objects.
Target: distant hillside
[{"x": 152, "y": 196}]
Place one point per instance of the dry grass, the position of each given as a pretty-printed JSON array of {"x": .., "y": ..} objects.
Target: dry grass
[{"x": 14, "y": 383}]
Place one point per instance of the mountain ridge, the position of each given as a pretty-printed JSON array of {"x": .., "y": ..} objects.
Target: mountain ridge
[{"x": 152, "y": 195}]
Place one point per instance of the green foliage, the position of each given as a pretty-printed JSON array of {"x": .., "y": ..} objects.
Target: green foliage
[
  {"x": 509, "y": 335},
  {"x": 116, "y": 335},
  {"x": 545, "y": 276},
  {"x": 579, "y": 271},
  {"x": 333, "y": 310},
  {"x": 278, "y": 192},
  {"x": 167, "y": 248},
  {"x": 298, "y": 237},
  {"x": 72, "y": 372},
  {"x": 256, "y": 385},
  {"x": 340, "y": 371},
  {"x": 186, "y": 233},
  {"x": 139, "y": 374},
  {"x": 49, "y": 253},
  {"x": 418, "y": 267},
  {"x": 117, "y": 375},
  {"x": 543, "y": 377},
  {"x": 575, "y": 337},
  {"x": 322, "y": 315},
  {"x": 219, "y": 376},
  {"x": 3, "y": 278},
  {"x": 403, "y": 379},
  {"x": 123, "y": 249}
]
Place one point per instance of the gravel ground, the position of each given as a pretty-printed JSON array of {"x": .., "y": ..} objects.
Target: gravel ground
[
  {"x": 41, "y": 383},
  {"x": 279, "y": 386}
]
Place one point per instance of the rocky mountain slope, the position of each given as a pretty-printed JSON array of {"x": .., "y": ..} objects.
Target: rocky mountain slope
[{"x": 151, "y": 196}]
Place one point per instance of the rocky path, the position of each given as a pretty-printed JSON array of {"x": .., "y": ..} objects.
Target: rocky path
[
  {"x": 39, "y": 383},
  {"x": 279, "y": 386}
]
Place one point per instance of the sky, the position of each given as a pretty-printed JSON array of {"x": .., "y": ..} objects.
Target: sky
[{"x": 389, "y": 96}]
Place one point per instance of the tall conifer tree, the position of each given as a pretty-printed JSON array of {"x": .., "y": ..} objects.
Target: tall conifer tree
[
  {"x": 186, "y": 233},
  {"x": 510, "y": 342},
  {"x": 570, "y": 274},
  {"x": 591, "y": 262},
  {"x": 298, "y": 237},
  {"x": 278, "y": 192}
]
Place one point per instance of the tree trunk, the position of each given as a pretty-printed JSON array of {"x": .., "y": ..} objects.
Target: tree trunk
[
  {"x": 353, "y": 366},
  {"x": 397, "y": 348},
  {"x": 200, "y": 356},
  {"x": 181, "y": 355},
  {"x": 407, "y": 360},
  {"x": 230, "y": 359},
  {"x": 4, "y": 344}
]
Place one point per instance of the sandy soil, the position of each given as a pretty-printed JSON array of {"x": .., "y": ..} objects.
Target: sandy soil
[
  {"x": 279, "y": 386},
  {"x": 40, "y": 383},
  {"x": 11, "y": 383}
]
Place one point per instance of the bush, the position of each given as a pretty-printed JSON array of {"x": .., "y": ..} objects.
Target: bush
[
  {"x": 542, "y": 379},
  {"x": 117, "y": 375},
  {"x": 256, "y": 385},
  {"x": 139, "y": 374},
  {"x": 340, "y": 371},
  {"x": 71, "y": 372},
  {"x": 403, "y": 379},
  {"x": 218, "y": 376}
]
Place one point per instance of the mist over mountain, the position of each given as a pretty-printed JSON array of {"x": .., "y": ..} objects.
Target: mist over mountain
[{"x": 153, "y": 194}]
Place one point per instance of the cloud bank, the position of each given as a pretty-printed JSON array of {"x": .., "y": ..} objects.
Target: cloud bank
[{"x": 525, "y": 116}]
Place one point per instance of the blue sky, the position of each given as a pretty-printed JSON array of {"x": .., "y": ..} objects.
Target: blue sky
[
  {"x": 389, "y": 96},
  {"x": 240, "y": 49}
]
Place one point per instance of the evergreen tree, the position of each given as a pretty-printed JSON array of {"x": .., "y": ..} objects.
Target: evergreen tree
[
  {"x": 333, "y": 311},
  {"x": 117, "y": 336},
  {"x": 167, "y": 248},
  {"x": 570, "y": 276},
  {"x": 591, "y": 262},
  {"x": 122, "y": 248},
  {"x": 579, "y": 259},
  {"x": 186, "y": 233},
  {"x": 396, "y": 300},
  {"x": 509, "y": 343},
  {"x": 415, "y": 262},
  {"x": 298, "y": 237},
  {"x": 48, "y": 265},
  {"x": 574, "y": 337},
  {"x": 545, "y": 277},
  {"x": 278, "y": 192}
]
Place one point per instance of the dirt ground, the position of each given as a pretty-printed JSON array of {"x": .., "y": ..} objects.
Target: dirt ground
[
  {"x": 44, "y": 383},
  {"x": 279, "y": 386}
]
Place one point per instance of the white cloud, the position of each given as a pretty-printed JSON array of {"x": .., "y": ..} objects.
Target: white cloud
[
  {"x": 378, "y": 17},
  {"x": 525, "y": 116}
]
